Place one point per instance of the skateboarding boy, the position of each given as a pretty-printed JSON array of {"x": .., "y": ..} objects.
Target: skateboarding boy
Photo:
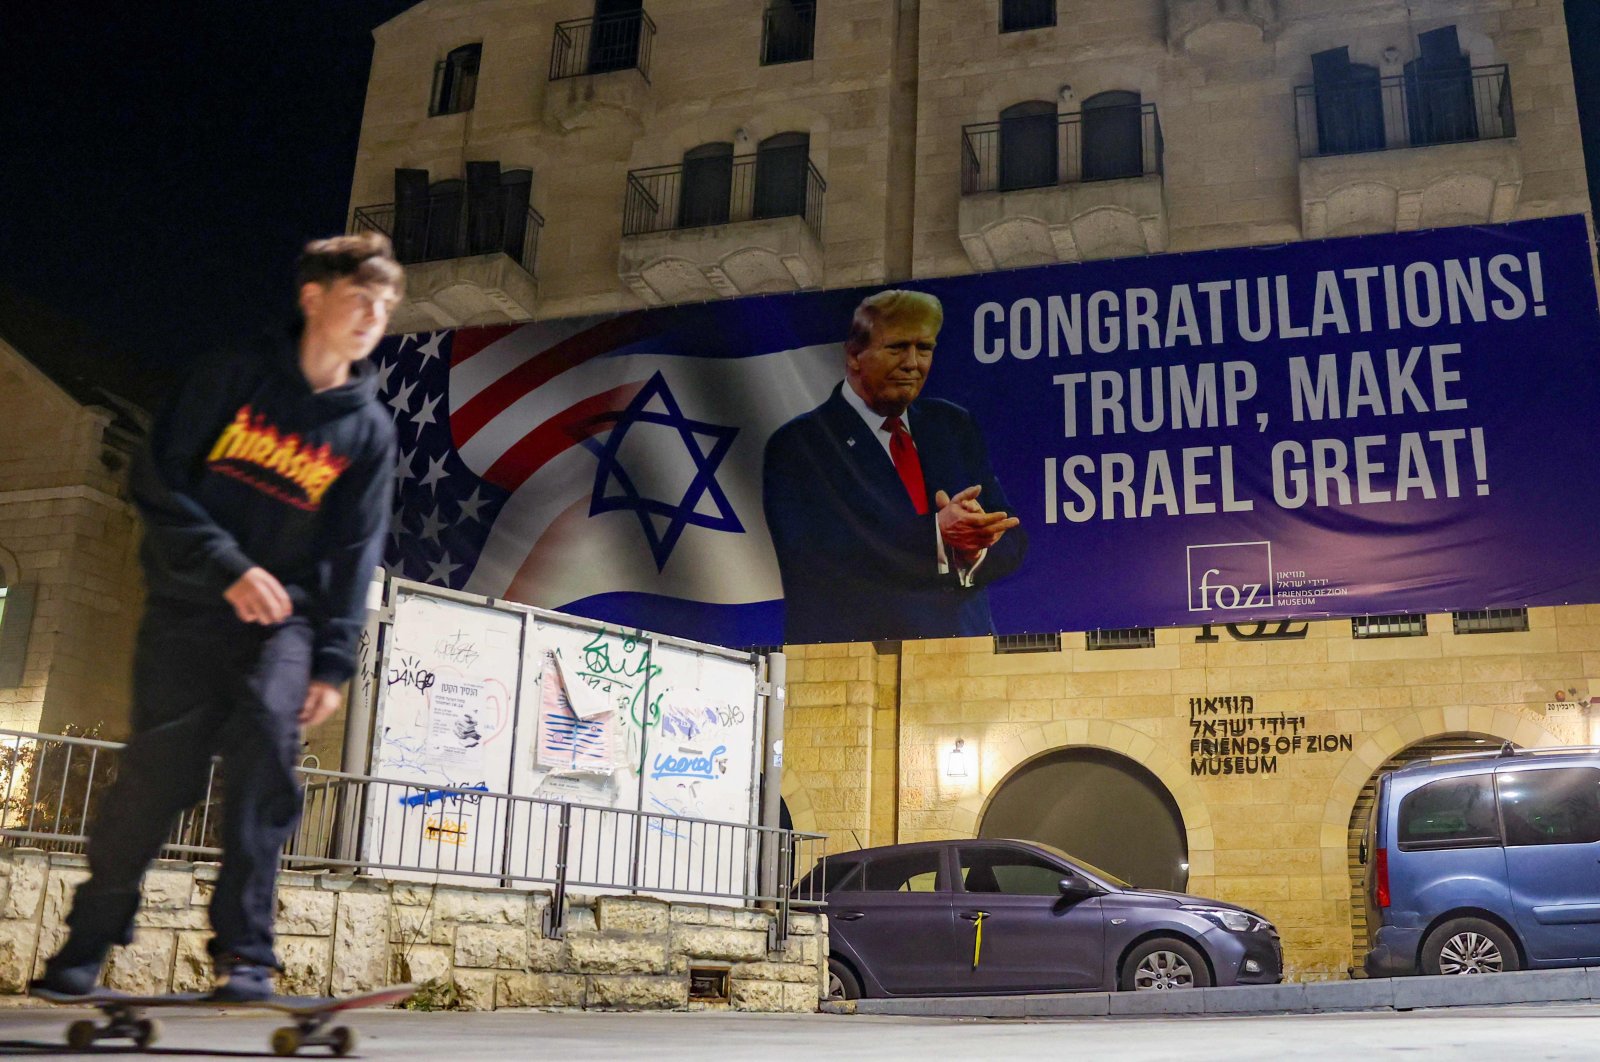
[{"x": 265, "y": 493}]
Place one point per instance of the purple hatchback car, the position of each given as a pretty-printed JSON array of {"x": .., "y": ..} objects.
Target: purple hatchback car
[{"x": 992, "y": 916}]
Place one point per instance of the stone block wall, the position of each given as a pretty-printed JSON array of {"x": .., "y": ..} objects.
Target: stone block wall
[
  {"x": 1276, "y": 842},
  {"x": 68, "y": 534},
  {"x": 339, "y": 934}
]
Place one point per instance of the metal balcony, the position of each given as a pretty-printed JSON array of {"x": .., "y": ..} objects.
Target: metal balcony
[
  {"x": 1408, "y": 110},
  {"x": 601, "y": 45}
]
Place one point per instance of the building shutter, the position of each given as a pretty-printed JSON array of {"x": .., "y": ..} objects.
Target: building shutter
[
  {"x": 484, "y": 225},
  {"x": 410, "y": 214}
]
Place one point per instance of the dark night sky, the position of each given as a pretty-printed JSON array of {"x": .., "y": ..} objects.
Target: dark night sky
[{"x": 165, "y": 160}]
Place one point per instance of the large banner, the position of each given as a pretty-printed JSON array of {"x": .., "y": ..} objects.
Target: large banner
[{"x": 1380, "y": 424}]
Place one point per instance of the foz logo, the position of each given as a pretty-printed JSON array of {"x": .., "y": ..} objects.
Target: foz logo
[{"x": 1230, "y": 575}]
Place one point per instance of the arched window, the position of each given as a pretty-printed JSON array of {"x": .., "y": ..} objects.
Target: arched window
[
  {"x": 1349, "y": 104},
  {"x": 781, "y": 163},
  {"x": 455, "y": 80},
  {"x": 1028, "y": 157},
  {"x": 1104, "y": 808},
  {"x": 1113, "y": 138},
  {"x": 707, "y": 185},
  {"x": 516, "y": 194},
  {"x": 16, "y": 618}
]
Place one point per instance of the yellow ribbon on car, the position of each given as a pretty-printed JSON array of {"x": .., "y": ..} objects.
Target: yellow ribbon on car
[{"x": 977, "y": 938}]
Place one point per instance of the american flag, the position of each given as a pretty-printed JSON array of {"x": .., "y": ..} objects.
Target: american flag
[{"x": 606, "y": 467}]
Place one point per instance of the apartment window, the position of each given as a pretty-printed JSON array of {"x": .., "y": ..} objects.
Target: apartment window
[
  {"x": 1028, "y": 156},
  {"x": 1028, "y": 643},
  {"x": 614, "y": 37},
  {"x": 1113, "y": 136},
  {"x": 489, "y": 211},
  {"x": 1395, "y": 626},
  {"x": 1490, "y": 621},
  {"x": 455, "y": 80},
  {"x": 788, "y": 31},
  {"x": 1122, "y": 638},
  {"x": 1018, "y": 15},
  {"x": 1349, "y": 103},
  {"x": 707, "y": 185}
]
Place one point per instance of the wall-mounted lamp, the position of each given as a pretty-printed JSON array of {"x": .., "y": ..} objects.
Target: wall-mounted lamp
[
  {"x": 955, "y": 764},
  {"x": 1391, "y": 55},
  {"x": 1065, "y": 94},
  {"x": 1183, "y": 866},
  {"x": 741, "y": 136}
]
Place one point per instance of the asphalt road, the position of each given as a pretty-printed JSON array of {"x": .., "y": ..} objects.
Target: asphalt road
[{"x": 1526, "y": 1033}]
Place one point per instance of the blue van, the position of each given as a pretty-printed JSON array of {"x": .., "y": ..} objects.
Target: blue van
[{"x": 1485, "y": 862}]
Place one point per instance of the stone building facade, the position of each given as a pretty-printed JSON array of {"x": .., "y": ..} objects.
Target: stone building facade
[
  {"x": 68, "y": 558},
  {"x": 913, "y": 118}
]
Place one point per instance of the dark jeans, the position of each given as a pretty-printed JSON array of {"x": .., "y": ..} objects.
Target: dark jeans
[{"x": 203, "y": 683}]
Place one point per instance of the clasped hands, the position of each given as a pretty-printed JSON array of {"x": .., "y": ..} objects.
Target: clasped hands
[
  {"x": 964, "y": 526},
  {"x": 258, "y": 597}
]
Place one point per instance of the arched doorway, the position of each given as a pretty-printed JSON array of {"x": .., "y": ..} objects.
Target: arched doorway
[
  {"x": 1102, "y": 807},
  {"x": 1440, "y": 745}
]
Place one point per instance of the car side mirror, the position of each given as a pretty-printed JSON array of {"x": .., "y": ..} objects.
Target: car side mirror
[{"x": 1072, "y": 885}]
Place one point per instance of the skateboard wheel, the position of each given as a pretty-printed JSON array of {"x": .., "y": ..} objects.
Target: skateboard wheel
[
  {"x": 146, "y": 1031},
  {"x": 344, "y": 1040},
  {"x": 81, "y": 1034},
  {"x": 286, "y": 1041}
]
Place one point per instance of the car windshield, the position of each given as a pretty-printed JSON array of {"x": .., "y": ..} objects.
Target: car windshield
[{"x": 1105, "y": 876}]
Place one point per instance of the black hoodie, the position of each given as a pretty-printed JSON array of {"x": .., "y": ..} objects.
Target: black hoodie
[{"x": 248, "y": 466}]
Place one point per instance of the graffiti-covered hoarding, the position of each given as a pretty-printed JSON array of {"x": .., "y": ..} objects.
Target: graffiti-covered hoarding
[{"x": 1381, "y": 424}]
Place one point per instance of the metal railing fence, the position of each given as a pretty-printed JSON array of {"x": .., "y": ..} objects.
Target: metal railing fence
[
  {"x": 456, "y": 226},
  {"x": 720, "y": 191},
  {"x": 1417, "y": 109},
  {"x": 52, "y": 785},
  {"x": 1044, "y": 150},
  {"x": 600, "y": 45}
]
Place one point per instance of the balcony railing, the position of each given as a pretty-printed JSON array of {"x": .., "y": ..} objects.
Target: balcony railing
[
  {"x": 746, "y": 188},
  {"x": 440, "y": 227},
  {"x": 1040, "y": 151},
  {"x": 788, "y": 31},
  {"x": 601, "y": 45},
  {"x": 1409, "y": 110}
]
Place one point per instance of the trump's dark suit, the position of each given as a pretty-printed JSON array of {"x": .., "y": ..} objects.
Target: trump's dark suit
[{"x": 857, "y": 561}]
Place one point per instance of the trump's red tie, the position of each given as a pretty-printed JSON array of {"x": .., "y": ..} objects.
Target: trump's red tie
[{"x": 906, "y": 462}]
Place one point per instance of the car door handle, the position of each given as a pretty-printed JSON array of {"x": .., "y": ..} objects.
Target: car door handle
[
  {"x": 849, "y": 916},
  {"x": 973, "y": 916}
]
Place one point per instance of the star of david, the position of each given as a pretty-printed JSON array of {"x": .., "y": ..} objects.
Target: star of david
[{"x": 664, "y": 521}]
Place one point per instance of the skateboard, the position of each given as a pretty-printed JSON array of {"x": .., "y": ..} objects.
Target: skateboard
[{"x": 125, "y": 1018}]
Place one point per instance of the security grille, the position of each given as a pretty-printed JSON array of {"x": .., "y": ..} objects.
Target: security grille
[
  {"x": 1396, "y": 626},
  {"x": 1490, "y": 620},
  {"x": 1028, "y": 643},
  {"x": 1122, "y": 638}
]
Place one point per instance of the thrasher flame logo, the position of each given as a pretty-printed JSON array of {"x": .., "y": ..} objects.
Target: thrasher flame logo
[{"x": 251, "y": 450}]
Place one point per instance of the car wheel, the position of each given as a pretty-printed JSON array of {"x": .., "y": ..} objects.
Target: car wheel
[
  {"x": 1163, "y": 964},
  {"x": 842, "y": 982},
  {"x": 1469, "y": 946}
]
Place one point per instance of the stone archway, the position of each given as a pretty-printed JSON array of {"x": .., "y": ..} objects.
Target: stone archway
[
  {"x": 798, "y": 799},
  {"x": 1383, "y": 747},
  {"x": 1001, "y": 760}
]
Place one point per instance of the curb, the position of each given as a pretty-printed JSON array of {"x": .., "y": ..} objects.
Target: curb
[{"x": 1580, "y": 985}]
